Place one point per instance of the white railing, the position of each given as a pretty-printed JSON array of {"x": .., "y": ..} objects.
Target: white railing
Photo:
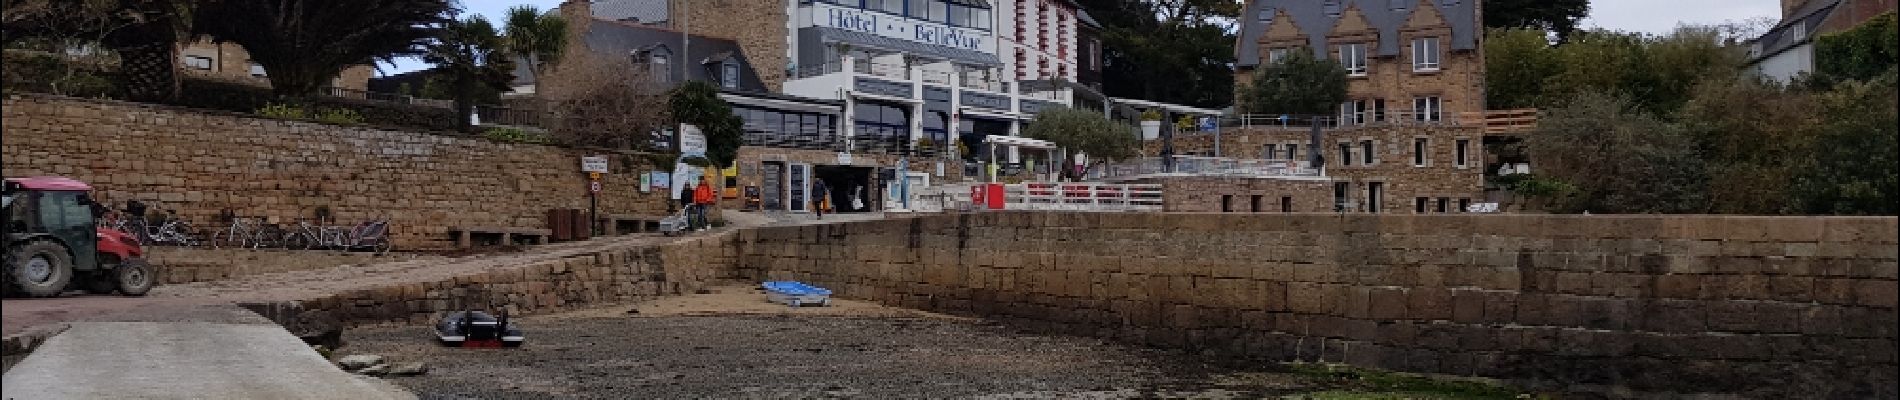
[
  {"x": 1205, "y": 166},
  {"x": 1086, "y": 196},
  {"x": 887, "y": 70},
  {"x": 809, "y": 71}
]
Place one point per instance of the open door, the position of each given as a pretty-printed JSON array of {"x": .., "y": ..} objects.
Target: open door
[{"x": 798, "y": 187}]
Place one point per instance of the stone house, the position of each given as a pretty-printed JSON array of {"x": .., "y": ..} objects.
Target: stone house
[
  {"x": 229, "y": 62},
  {"x": 1787, "y": 50},
  {"x": 1420, "y": 60}
]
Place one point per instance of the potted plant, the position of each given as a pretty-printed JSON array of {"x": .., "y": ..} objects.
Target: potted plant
[{"x": 1150, "y": 125}]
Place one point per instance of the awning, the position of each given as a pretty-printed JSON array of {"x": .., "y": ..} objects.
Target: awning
[{"x": 855, "y": 38}]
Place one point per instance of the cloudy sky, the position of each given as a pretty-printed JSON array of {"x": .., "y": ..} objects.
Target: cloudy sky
[{"x": 1653, "y": 16}]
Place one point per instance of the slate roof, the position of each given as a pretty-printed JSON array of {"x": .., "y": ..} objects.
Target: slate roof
[
  {"x": 1806, "y": 20},
  {"x": 621, "y": 39},
  {"x": 1312, "y": 18},
  {"x": 644, "y": 11}
]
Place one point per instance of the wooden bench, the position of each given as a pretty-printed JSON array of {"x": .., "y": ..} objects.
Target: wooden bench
[
  {"x": 621, "y": 224},
  {"x": 465, "y": 237}
]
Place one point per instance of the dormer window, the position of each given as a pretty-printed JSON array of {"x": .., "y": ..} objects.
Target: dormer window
[
  {"x": 1266, "y": 14},
  {"x": 729, "y": 75},
  {"x": 1332, "y": 8},
  {"x": 1401, "y": 5}
]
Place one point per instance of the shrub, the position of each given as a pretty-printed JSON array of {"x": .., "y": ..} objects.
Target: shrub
[
  {"x": 282, "y": 111},
  {"x": 514, "y": 135},
  {"x": 339, "y": 116}
]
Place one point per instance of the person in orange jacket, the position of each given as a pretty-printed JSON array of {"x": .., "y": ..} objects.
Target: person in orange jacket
[{"x": 703, "y": 199}]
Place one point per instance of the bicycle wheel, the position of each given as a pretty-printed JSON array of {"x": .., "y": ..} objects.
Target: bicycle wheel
[
  {"x": 382, "y": 245},
  {"x": 297, "y": 241},
  {"x": 225, "y": 238}
]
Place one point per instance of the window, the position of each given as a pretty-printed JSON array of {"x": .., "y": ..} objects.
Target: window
[
  {"x": 980, "y": 18},
  {"x": 1464, "y": 205},
  {"x": 1425, "y": 109},
  {"x": 889, "y": 6},
  {"x": 1227, "y": 203},
  {"x": 1275, "y": 55},
  {"x": 1443, "y": 203},
  {"x": 660, "y": 71},
  {"x": 1332, "y": 8},
  {"x": 1460, "y": 158},
  {"x": 1345, "y": 154},
  {"x": 1418, "y": 204},
  {"x": 1286, "y": 203},
  {"x": 1418, "y": 152},
  {"x": 729, "y": 75},
  {"x": 960, "y": 16},
  {"x": 1378, "y": 110},
  {"x": 1401, "y": 5},
  {"x": 1352, "y": 112},
  {"x": 1353, "y": 57},
  {"x": 1266, "y": 14},
  {"x": 1374, "y": 191},
  {"x": 198, "y": 62},
  {"x": 1371, "y": 155},
  {"x": 1272, "y": 151},
  {"x": 1340, "y": 201},
  {"x": 1256, "y": 203},
  {"x": 1425, "y": 54},
  {"x": 930, "y": 10},
  {"x": 1292, "y": 151},
  {"x": 257, "y": 70}
]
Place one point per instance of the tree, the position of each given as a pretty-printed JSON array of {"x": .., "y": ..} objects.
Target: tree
[
  {"x": 302, "y": 44},
  {"x": 143, "y": 33},
  {"x": 697, "y": 103},
  {"x": 1517, "y": 62},
  {"x": 1752, "y": 156},
  {"x": 468, "y": 55},
  {"x": 1298, "y": 84},
  {"x": 1614, "y": 158},
  {"x": 1558, "y": 17},
  {"x": 1084, "y": 131},
  {"x": 1861, "y": 53},
  {"x": 1852, "y": 169},
  {"x": 536, "y": 37},
  {"x": 597, "y": 100},
  {"x": 1174, "y": 51}
]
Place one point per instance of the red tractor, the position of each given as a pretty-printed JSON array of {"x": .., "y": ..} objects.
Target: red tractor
[{"x": 53, "y": 243}]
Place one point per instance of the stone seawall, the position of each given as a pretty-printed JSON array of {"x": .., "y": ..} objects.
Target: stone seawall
[
  {"x": 1764, "y": 307},
  {"x": 202, "y": 162},
  {"x": 185, "y": 264}
]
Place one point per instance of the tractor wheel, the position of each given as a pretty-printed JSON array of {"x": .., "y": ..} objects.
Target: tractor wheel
[
  {"x": 135, "y": 277},
  {"x": 39, "y": 269}
]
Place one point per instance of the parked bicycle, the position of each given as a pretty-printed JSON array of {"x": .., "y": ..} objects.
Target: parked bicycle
[
  {"x": 172, "y": 230},
  {"x": 253, "y": 233},
  {"x": 370, "y": 235}
]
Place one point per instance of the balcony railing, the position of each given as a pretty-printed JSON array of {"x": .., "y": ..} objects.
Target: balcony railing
[
  {"x": 817, "y": 70},
  {"x": 934, "y": 77},
  {"x": 821, "y": 141},
  {"x": 398, "y": 98},
  {"x": 1343, "y": 121},
  {"x": 1204, "y": 166},
  {"x": 983, "y": 83},
  {"x": 888, "y": 70}
]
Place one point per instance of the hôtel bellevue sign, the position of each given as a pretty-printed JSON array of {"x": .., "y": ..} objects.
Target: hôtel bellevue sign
[{"x": 896, "y": 27}]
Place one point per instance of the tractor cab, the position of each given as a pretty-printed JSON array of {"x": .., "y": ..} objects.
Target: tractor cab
[{"x": 54, "y": 244}]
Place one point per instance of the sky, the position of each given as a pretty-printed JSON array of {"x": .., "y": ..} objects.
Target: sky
[{"x": 1649, "y": 16}]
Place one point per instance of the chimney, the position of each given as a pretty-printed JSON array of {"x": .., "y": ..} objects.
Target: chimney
[{"x": 1788, "y": 7}]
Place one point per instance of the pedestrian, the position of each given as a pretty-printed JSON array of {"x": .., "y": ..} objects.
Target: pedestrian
[
  {"x": 686, "y": 204},
  {"x": 818, "y": 194},
  {"x": 703, "y": 199}
]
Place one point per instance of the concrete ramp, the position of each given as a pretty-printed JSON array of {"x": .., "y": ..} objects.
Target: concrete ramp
[{"x": 184, "y": 360}]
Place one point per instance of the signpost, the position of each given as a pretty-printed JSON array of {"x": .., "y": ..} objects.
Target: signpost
[
  {"x": 594, "y": 166},
  {"x": 1212, "y": 124}
]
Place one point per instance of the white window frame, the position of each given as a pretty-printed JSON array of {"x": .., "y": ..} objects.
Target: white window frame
[
  {"x": 1352, "y": 56},
  {"x": 729, "y": 75},
  {"x": 1274, "y": 55},
  {"x": 1427, "y": 109},
  {"x": 1353, "y": 112},
  {"x": 1425, "y": 54},
  {"x": 258, "y": 70},
  {"x": 208, "y": 62},
  {"x": 660, "y": 67},
  {"x": 1370, "y": 151}
]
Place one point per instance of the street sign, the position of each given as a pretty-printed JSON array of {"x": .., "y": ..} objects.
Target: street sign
[
  {"x": 595, "y": 164},
  {"x": 593, "y": 187},
  {"x": 844, "y": 158},
  {"x": 593, "y": 176},
  {"x": 1208, "y": 123},
  {"x": 692, "y": 141}
]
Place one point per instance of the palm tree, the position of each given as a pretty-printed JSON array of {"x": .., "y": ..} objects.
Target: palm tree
[
  {"x": 470, "y": 54},
  {"x": 536, "y": 37},
  {"x": 302, "y": 44}
]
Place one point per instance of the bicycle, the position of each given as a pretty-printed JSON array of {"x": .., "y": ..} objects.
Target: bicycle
[
  {"x": 172, "y": 230},
  {"x": 241, "y": 233}
]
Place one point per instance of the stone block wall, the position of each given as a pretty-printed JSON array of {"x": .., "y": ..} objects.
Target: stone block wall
[
  {"x": 185, "y": 264},
  {"x": 201, "y": 162},
  {"x": 758, "y": 27},
  {"x": 609, "y": 275},
  {"x": 1402, "y": 178},
  {"x": 1764, "y": 307},
  {"x": 1233, "y": 194}
]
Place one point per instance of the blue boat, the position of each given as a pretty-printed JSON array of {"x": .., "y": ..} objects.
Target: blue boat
[{"x": 795, "y": 294}]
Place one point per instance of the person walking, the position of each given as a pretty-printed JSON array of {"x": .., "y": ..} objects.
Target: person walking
[
  {"x": 686, "y": 204},
  {"x": 703, "y": 199},
  {"x": 818, "y": 194}
]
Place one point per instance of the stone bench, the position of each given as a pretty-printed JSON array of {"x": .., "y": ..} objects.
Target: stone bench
[
  {"x": 465, "y": 237},
  {"x": 621, "y": 224}
]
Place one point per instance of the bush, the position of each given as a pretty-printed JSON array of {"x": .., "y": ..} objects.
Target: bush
[
  {"x": 514, "y": 135},
  {"x": 48, "y": 73},
  {"x": 339, "y": 116},
  {"x": 282, "y": 111}
]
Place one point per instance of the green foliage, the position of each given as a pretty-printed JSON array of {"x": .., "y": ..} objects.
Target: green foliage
[
  {"x": 1177, "y": 52},
  {"x": 1151, "y": 115},
  {"x": 1516, "y": 63},
  {"x": 339, "y": 116},
  {"x": 469, "y": 55},
  {"x": 1084, "y": 131},
  {"x": 515, "y": 135},
  {"x": 283, "y": 111},
  {"x": 1299, "y": 84},
  {"x": 1861, "y": 53},
  {"x": 696, "y": 161},
  {"x": 1749, "y": 153},
  {"x": 698, "y": 103},
  {"x": 1656, "y": 73},
  {"x": 48, "y": 73},
  {"x": 1559, "y": 17},
  {"x": 534, "y": 36},
  {"x": 1852, "y": 168},
  {"x": 1618, "y": 158},
  {"x": 305, "y": 43}
]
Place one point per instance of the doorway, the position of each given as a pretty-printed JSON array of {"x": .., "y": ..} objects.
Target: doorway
[{"x": 850, "y": 187}]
